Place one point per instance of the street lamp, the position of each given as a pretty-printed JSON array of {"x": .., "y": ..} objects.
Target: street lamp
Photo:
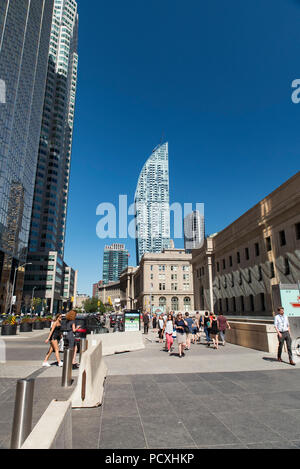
[
  {"x": 14, "y": 282},
  {"x": 32, "y": 296}
]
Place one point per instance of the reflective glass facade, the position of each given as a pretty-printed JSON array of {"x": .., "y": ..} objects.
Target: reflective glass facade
[
  {"x": 49, "y": 210},
  {"x": 115, "y": 260},
  {"x": 25, "y": 28},
  {"x": 152, "y": 204}
]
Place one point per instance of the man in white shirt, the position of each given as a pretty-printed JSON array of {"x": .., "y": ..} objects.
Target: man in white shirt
[{"x": 282, "y": 327}]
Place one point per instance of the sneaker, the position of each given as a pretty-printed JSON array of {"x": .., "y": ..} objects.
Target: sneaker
[
  {"x": 60, "y": 364},
  {"x": 183, "y": 354},
  {"x": 46, "y": 364}
]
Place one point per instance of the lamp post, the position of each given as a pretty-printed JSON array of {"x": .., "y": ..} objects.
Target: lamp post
[
  {"x": 32, "y": 296},
  {"x": 14, "y": 282}
]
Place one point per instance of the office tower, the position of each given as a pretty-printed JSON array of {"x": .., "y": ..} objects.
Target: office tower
[
  {"x": 25, "y": 28},
  {"x": 152, "y": 204},
  {"x": 115, "y": 260},
  {"x": 193, "y": 231},
  {"x": 49, "y": 210}
]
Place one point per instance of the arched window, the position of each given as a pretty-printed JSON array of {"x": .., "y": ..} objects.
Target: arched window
[
  {"x": 162, "y": 301},
  {"x": 174, "y": 304},
  {"x": 187, "y": 304}
]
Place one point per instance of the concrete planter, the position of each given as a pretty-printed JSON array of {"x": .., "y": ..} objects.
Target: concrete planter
[
  {"x": 9, "y": 329},
  {"x": 47, "y": 324},
  {"x": 38, "y": 326},
  {"x": 26, "y": 327}
]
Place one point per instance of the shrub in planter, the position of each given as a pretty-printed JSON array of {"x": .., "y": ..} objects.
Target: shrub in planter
[
  {"x": 38, "y": 324},
  {"x": 9, "y": 326},
  {"x": 26, "y": 324},
  {"x": 47, "y": 321}
]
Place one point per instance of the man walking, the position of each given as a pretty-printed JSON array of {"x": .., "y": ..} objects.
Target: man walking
[
  {"x": 146, "y": 320},
  {"x": 282, "y": 327}
]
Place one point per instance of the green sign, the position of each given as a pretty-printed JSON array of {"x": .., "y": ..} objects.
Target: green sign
[
  {"x": 132, "y": 321},
  {"x": 290, "y": 300}
]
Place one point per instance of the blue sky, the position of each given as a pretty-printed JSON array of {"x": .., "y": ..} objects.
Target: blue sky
[{"x": 213, "y": 77}]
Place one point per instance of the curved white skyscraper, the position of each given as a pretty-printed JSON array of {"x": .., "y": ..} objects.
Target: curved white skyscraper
[{"x": 152, "y": 204}]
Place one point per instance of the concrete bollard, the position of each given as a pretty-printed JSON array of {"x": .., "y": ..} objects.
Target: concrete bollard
[
  {"x": 67, "y": 368},
  {"x": 22, "y": 421},
  {"x": 83, "y": 347}
]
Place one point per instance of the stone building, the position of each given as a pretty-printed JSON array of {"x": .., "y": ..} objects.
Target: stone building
[
  {"x": 235, "y": 270},
  {"x": 163, "y": 281}
]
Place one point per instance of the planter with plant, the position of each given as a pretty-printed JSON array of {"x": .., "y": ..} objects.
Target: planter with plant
[
  {"x": 47, "y": 321},
  {"x": 9, "y": 326},
  {"x": 38, "y": 324},
  {"x": 26, "y": 324}
]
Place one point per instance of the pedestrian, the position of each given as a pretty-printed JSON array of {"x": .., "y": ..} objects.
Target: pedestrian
[
  {"x": 154, "y": 321},
  {"x": 54, "y": 338},
  {"x": 207, "y": 326},
  {"x": 71, "y": 330},
  {"x": 189, "y": 331},
  {"x": 214, "y": 332},
  {"x": 223, "y": 324},
  {"x": 195, "y": 330},
  {"x": 160, "y": 328},
  {"x": 168, "y": 330},
  {"x": 146, "y": 320},
  {"x": 181, "y": 324},
  {"x": 282, "y": 327}
]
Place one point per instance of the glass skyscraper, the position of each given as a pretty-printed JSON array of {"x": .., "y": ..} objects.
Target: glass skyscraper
[
  {"x": 49, "y": 210},
  {"x": 152, "y": 206},
  {"x": 25, "y": 28},
  {"x": 194, "y": 231},
  {"x": 115, "y": 260}
]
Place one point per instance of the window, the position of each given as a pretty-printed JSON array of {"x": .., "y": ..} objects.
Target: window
[
  {"x": 287, "y": 269},
  {"x": 185, "y": 277},
  {"x": 260, "y": 273},
  {"x": 252, "y": 306},
  {"x": 234, "y": 304},
  {"x": 282, "y": 239},
  {"x": 187, "y": 304},
  {"x": 297, "y": 227},
  {"x": 185, "y": 268},
  {"x": 162, "y": 286},
  {"x": 174, "y": 304},
  {"x": 249, "y": 276},
  {"x": 230, "y": 261},
  {"x": 162, "y": 277},
  {"x": 247, "y": 255},
  {"x": 173, "y": 276},
  {"x": 227, "y": 304},
  {"x": 272, "y": 270},
  {"x": 262, "y": 302},
  {"x": 220, "y": 305},
  {"x": 224, "y": 264},
  {"x": 242, "y": 304},
  {"x": 162, "y": 268},
  {"x": 174, "y": 286},
  {"x": 257, "y": 250},
  {"x": 162, "y": 302},
  {"x": 186, "y": 287},
  {"x": 268, "y": 244},
  {"x": 218, "y": 267},
  {"x": 174, "y": 268},
  {"x": 238, "y": 257}
]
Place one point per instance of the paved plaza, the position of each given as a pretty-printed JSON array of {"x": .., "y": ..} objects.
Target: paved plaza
[{"x": 233, "y": 397}]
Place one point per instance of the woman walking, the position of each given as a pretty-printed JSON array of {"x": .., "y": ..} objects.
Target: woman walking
[
  {"x": 71, "y": 329},
  {"x": 223, "y": 324},
  {"x": 214, "y": 332},
  {"x": 181, "y": 334},
  {"x": 160, "y": 328},
  {"x": 168, "y": 329},
  {"x": 207, "y": 327},
  {"x": 54, "y": 338}
]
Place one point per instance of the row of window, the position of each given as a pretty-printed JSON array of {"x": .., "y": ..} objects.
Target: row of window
[
  {"x": 257, "y": 249},
  {"x": 236, "y": 304}
]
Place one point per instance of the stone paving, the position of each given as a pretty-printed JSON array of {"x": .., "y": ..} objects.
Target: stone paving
[{"x": 233, "y": 397}]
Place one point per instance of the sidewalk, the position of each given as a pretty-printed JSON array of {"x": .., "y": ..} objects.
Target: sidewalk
[
  {"x": 24, "y": 354},
  {"x": 233, "y": 397},
  {"x": 229, "y": 398}
]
